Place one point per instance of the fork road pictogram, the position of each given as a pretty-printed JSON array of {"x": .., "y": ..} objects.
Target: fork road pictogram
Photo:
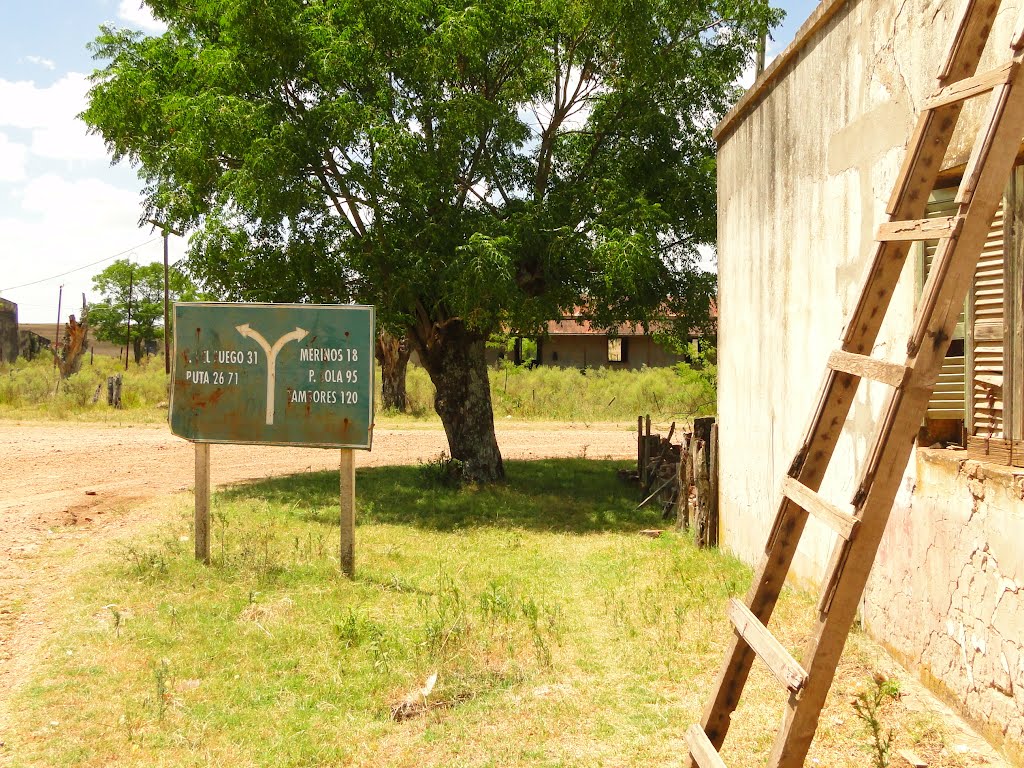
[{"x": 271, "y": 352}]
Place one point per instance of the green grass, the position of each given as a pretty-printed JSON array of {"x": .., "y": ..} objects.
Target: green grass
[
  {"x": 29, "y": 390},
  {"x": 33, "y": 390},
  {"x": 559, "y": 636}
]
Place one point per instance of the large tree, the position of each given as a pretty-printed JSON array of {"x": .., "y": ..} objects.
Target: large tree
[{"x": 467, "y": 166}]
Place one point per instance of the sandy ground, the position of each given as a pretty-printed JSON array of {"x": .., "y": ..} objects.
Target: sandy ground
[
  {"x": 78, "y": 486},
  {"x": 67, "y": 490}
]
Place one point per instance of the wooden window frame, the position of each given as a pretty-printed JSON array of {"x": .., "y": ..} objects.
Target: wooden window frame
[
  {"x": 1008, "y": 449},
  {"x": 623, "y": 349}
]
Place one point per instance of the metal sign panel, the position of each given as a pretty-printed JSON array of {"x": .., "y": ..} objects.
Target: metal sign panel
[{"x": 276, "y": 374}]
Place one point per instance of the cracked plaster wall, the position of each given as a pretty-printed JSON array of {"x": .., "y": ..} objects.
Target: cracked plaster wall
[
  {"x": 805, "y": 168},
  {"x": 946, "y": 593}
]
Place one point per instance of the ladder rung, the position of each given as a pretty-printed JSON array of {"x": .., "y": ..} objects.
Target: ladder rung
[
  {"x": 702, "y": 750},
  {"x": 763, "y": 643},
  {"x": 919, "y": 229},
  {"x": 972, "y": 86},
  {"x": 868, "y": 367},
  {"x": 841, "y": 521}
]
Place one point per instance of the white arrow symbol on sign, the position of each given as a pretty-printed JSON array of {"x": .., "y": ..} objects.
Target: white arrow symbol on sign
[{"x": 271, "y": 352}]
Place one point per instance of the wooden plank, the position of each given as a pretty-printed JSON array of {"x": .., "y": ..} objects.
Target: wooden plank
[
  {"x": 1017, "y": 39},
  {"x": 347, "y": 474},
  {"x": 702, "y": 750},
  {"x": 1013, "y": 302},
  {"x": 202, "y": 497},
  {"x": 912, "y": 759},
  {"x": 990, "y": 380},
  {"x": 1017, "y": 453},
  {"x": 883, "y": 472},
  {"x": 640, "y": 448},
  {"x": 972, "y": 86},
  {"x": 713, "y": 483},
  {"x": 960, "y": 27},
  {"x": 925, "y": 126},
  {"x": 918, "y": 229},
  {"x": 988, "y": 331},
  {"x": 841, "y": 521},
  {"x": 763, "y": 643},
  {"x": 973, "y": 23},
  {"x": 865, "y": 367},
  {"x": 994, "y": 450},
  {"x": 982, "y": 148}
]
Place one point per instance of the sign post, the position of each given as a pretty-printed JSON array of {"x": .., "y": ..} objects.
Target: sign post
[
  {"x": 274, "y": 374},
  {"x": 202, "y": 492},
  {"x": 348, "y": 512}
]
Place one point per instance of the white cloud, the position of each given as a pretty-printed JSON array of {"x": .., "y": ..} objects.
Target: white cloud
[
  {"x": 137, "y": 13},
  {"x": 42, "y": 62},
  {"x": 13, "y": 159},
  {"x": 51, "y": 115},
  {"x": 54, "y": 224},
  {"x": 82, "y": 202}
]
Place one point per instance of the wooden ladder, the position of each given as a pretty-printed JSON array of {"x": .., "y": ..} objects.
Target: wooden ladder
[{"x": 860, "y": 524}]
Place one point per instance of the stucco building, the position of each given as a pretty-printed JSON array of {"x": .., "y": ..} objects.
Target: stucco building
[
  {"x": 806, "y": 163},
  {"x": 8, "y": 331}
]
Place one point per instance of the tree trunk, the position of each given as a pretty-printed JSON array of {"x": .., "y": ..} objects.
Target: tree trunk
[
  {"x": 137, "y": 349},
  {"x": 393, "y": 353},
  {"x": 454, "y": 357}
]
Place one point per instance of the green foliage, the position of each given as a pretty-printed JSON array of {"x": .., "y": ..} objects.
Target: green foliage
[
  {"x": 543, "y": 393},
  {"x": 868, "y": 705},
  {"x": 466, "y": 167},
  {"x": 495, "y": 162},
  {"x": 33, "y": 388},
  {"x": 109, "y": 316}
]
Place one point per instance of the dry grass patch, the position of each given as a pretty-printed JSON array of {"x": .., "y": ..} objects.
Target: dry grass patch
[{"x": 558, "y": 635}]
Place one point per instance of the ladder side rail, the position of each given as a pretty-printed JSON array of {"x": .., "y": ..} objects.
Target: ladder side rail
[
  {"x": 895, "y": 442},
  {"x": 917, "y": 178},
  {"x": 822, "y": 435}
]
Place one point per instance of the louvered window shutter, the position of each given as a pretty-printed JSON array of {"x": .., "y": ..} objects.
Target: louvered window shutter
[
  {"x": 987, "y": 316},
  {"x": 948, "y": 397}
]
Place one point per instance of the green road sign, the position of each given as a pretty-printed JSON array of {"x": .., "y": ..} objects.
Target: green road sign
[{"x": 279, "y": 374}]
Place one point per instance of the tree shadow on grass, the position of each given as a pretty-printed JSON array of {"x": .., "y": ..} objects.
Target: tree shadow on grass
[{"x": 556, "y": 495}]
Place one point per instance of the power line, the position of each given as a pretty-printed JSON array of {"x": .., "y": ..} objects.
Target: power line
[{"x": 84, "y": 266}]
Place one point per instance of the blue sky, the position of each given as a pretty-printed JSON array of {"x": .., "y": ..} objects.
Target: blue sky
[{"x": 63, "y": 208}]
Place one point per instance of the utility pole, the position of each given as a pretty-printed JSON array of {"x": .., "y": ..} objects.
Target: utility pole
[
  {"x": 167, "y": 298},
  {"x": 56, "y": 333},
  {"x": 128, "y": 342},
  {"x": 167, "y": 295}
]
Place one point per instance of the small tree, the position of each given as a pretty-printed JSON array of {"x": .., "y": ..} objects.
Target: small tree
[{"x": 109, "y": 316}]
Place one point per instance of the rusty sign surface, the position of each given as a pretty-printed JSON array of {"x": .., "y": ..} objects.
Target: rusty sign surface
[{"x": 277, "y": 374}]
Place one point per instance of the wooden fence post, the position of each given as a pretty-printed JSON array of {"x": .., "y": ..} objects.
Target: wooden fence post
[
  {"x": 685, "y": 470},
  {"x": 713, "y": 489}
]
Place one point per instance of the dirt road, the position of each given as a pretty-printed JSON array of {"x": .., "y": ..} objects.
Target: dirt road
[{"x": 78, "y": 486}]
